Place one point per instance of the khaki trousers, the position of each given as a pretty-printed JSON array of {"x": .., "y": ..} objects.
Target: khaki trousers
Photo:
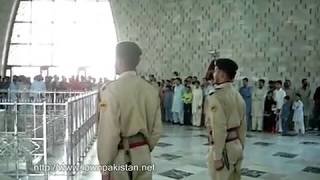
[
  {"x": 235, "y": 154},
  {"x": 140, "y": 157}
]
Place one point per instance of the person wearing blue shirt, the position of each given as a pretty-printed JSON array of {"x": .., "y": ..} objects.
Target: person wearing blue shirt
[
  {"x": 246, "y": 93},
  {"x": 38, "y": 87},
  {"x": 12, "y": 90}
]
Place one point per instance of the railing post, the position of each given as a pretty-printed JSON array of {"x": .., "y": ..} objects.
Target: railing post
[
  {"x": 34, "y": 120},
  {"x": 68, "y": 140},
  {"x": 44, "y": 125},
  {"x": 16, "y": 139}
]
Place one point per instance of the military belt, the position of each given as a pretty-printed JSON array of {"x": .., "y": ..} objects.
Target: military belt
[
  {"x": 232, "y": 134},
  {"x": 134, "y": 141}
]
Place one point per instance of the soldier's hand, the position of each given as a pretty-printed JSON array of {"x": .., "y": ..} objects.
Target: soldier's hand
[
  {"x": 218, "y": 165},
  {"x": 105, "y": 177}
]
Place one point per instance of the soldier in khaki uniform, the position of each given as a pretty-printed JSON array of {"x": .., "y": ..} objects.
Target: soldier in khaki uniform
[
  {"x": 207, "y": 93},
  {"x": 226, "y": 113},
  {"x": 129, "y": 124}
]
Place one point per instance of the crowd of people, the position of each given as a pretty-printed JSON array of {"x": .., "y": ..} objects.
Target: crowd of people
[
  {"x": 275, "y": 107},
  {"x": 279, "y": 107},
  {"x": 182, "y": 100},
  {"x": 49, "y": 83},
  {"x": 22, "y": 88}
]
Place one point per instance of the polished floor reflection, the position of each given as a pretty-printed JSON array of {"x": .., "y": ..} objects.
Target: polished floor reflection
[{"x": 182, "y": 154}]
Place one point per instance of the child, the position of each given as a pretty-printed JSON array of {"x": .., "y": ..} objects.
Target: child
[
  {"x": 284, "y": 114},
  {"x": 298, "y": 117},
  {"x": 187, "y": 101}
]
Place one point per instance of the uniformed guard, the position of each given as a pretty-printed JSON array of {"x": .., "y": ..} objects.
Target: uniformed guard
[
  {"x": 208, "y": 91},
  {"x": 129, "y": 120},
  {"x": 226, "y": 111}
]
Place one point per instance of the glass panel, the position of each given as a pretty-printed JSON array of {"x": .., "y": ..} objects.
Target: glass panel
[
  {"x": 30, "y": 71},
  {"x": 42, "y": 11},
  {"x": 65, "y": 33},
  {"x": 19, "y": 54},
  {"x": 65, "y": 11},
  {"x": 42, "y": 33},
  {"x": 66, "y": 42},
  {"x": 24, "y": 11},
  {"x": 21, "y": 33},
  {"x": 62, "y": 1},
  {"x": 43, "y": 0},
  {"x": 86, "y": 12},
  {"x": 102, "y": 14},
  {"x": 81, "y": 1},
  {"x": 91, "y": 12},
  {"x": 41, "y": 55}
]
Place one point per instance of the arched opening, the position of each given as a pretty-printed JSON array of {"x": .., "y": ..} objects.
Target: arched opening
[{"x": 72, "y": 35}]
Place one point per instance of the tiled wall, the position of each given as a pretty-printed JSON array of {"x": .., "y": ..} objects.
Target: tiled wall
[{"x": 274, "y": 39}]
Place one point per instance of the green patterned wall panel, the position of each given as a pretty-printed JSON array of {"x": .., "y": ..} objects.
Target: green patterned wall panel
[{"x": 274, "y": 39}]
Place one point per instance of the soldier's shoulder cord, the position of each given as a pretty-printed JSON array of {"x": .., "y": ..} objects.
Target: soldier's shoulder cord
[{"x": 214, "y": 91}]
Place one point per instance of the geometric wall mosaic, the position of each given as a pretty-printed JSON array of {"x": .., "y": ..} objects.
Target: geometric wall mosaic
[{"x": 272, "y": 39}]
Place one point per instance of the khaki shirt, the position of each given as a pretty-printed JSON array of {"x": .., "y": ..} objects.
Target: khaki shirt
[
  {"x": 128, "y": 105},
  {"x": 226, "y": 109}
]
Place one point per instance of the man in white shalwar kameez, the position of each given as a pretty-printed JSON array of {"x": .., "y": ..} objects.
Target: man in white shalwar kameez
[
  {"x": 258, "y": 97},
  {"x": 197, "y": 101},
  {"x": 177, "y": 104},
  {"x": 279, "y": 95}
]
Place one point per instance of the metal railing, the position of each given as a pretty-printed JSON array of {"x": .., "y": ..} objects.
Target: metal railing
[
  {"x": 32, "y": 130},
  {"x": 81, "y": 129},
  {"x": 24, "y": 140}
]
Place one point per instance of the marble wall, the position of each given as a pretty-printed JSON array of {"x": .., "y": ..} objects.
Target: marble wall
[{"x": 273, "y": 39}]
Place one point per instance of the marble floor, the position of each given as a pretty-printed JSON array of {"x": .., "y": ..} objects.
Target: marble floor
[{"x": 182, "y": 154}]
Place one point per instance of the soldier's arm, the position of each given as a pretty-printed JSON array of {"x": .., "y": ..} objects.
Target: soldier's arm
[
  {"x": 98, "y": 111},
  {"x": 157, "y": 126},
  {"x": 207, "y": 114},
  {"x": 109, "y": 129},
  {"x": 98, "y": 101},
  {"x": 219, "y": 125},
  {"x": 243, "y": 124},
  {"x": 201, "y": 99}
]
